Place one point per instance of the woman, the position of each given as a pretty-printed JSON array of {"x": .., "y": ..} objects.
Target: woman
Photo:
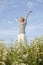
[{"x": 22, "y": 25}]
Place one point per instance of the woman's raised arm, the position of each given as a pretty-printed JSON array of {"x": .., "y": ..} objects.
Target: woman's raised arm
[
  {"x": 28, "y": 14},
  {"x": 17, "y": 19}
]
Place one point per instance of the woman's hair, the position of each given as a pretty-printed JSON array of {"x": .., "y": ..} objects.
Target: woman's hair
[{"x": 23, "y": 19}]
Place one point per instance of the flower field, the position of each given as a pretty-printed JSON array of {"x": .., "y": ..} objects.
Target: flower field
[{"x": 19, "y": 54}]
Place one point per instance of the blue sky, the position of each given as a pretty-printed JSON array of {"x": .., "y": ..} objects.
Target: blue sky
[{"x": 10, "y": 9}]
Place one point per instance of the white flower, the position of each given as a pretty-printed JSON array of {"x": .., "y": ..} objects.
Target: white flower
[
  {"x": 5, "y": 53},
  {"x": 2, "y": 63},
  {"x": 39, "y": 59},
  {"x": 38, "y": 48},
  {"x": 24, "y": 56}
]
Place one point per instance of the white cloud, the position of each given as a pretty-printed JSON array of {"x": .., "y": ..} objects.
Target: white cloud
[
  {"x": 9, "y": 22},
  {"x": 31, "y": 27},
  {"x": 5, "y": 21},
  {"x": 40, "y": 1},
  {"x": 31, "y": 4},
  {"x": 8, "y": 32},
  {"x": 2, "y": 4},
  {"x": 8, "y": 4},
  {"x": 8, "y": 35}
]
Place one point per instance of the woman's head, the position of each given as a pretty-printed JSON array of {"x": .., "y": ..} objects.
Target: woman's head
[{"x": 22, "y": 19}]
